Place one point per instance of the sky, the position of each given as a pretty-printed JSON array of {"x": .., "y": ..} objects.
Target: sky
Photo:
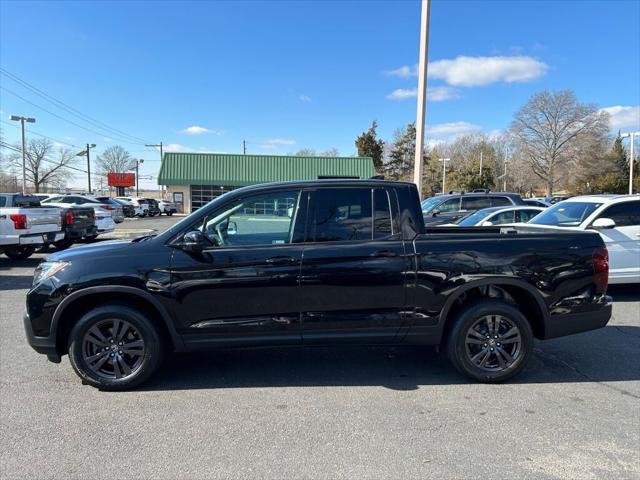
[{"x": 286, "y": 75}]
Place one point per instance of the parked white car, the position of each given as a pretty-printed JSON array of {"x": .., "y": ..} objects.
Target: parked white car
[
  {"x": 103, "y": 217},
  {"x": 25, "y": 225},
  {"x": 141, "y": 208},
  {"x": 487, "y": 217},
  {"x": 167, "y": 207},
  {"x": 615, "y": 217}
]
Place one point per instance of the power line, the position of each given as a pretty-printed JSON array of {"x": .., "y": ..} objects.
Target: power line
[
  {"x": 68, "y": 108},
  {"x": 10, "y": 147},
  {"x": 66, "y": 119}
]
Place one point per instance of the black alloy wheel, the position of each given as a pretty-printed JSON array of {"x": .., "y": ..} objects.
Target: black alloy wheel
[{"x": 490, "y": 341}]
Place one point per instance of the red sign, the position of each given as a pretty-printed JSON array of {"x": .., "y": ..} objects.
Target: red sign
[{"x": 121, "y": 179}]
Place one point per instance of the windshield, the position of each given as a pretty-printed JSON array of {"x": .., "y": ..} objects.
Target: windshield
[
  {"x": 430, "y": 203},
  {"x": 565, "y": 214},
  {"x": 471, "y": 219}
]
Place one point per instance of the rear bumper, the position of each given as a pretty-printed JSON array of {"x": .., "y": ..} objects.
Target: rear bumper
[
  {"x": 568, "y": 324},
  {"x": 44, "y": 345}
]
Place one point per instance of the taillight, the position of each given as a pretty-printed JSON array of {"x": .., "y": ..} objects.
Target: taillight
[
  {"x": 600, "y": 258},
  {"x": 19, "y": 221},
  {"x": 69, "y": 218}
]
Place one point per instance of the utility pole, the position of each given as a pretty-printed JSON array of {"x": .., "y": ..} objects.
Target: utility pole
[
  {"x": 444, "y": 171},
  {"x": 422, "y": 95},
  {"x": 632, "y": 138},
  {"x": 161, "y": 155},
  {"x": 504, "y": 181},
  {"x": 138, "y": 162},
  {"x": 87, "y": 153},
  {"x": 17, "y": 118},
  {"x": 244, "y": 147},
  {"x": 480, "y": 165}
]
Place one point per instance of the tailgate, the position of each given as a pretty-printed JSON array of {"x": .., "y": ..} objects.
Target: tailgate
[
  {"x": 43, "y": 216},
  {"x": 82, "y": 218}
]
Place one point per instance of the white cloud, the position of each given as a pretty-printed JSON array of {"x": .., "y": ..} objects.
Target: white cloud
[
  {"x": 435, "y": 94},
  {"x": 449, "y": 131},
  {"x": 403, "y": 72},
  {"x": 621, "y": 117},
  {"x": 272, "y": 143},
  {"x": 466, "y": 71},
  {"x": 304, "y": 98},
  {"x": 198, "y": 130},
  {"x": 176, "y": 147},
  {"x": 476, "y": 71}
]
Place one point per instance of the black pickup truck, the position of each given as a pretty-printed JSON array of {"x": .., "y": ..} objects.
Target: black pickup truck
[{"x": 311, "y": 263}]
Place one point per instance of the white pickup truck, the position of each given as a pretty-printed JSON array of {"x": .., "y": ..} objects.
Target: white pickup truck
[{"x": 25, "y": 225}]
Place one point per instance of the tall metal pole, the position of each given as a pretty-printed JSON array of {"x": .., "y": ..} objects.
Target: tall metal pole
[
  {"x": 89, "y": 167},
  {"x": 444, "y": 171},
  {"x": 137, "y": 164},
  {"x": 422, "y": 95},
  {"x": 631, "y": 136},
  {"x": 24, "y": 160},
  {"x": 481, "y": 165},
  {"x": 504, "y": 182}
]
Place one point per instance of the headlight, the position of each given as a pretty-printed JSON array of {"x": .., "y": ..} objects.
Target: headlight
[{"x": 46, "y": 270}]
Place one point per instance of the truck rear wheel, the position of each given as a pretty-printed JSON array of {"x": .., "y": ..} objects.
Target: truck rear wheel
[
  {"x": 19, "y": 253},
  {"x": 491, "y": 341},
  {"x": 115, "y": 347}
]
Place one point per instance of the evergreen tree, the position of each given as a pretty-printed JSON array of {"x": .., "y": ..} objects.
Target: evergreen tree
[{"x": 369, "y": 145}]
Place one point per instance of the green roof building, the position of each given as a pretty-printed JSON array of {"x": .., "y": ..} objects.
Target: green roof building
[{"x": 193, "y": 179}]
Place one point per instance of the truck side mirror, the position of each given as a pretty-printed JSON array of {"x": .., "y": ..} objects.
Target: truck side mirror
[
  {"x": 603, "y": 223},
  {"x": 193, "y": 242},
  {"x": 435, "y": 212}
]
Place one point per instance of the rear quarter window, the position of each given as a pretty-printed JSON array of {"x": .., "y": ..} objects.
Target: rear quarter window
[{"x": 500, "y": 201}]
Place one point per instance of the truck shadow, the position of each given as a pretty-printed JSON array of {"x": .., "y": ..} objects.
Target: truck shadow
[
  {"x": 625, "y": 292},
  {"x": 611, "y": 354}
]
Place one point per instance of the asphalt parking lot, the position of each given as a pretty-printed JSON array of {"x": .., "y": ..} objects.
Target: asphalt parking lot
[{"x": 356, "y": 412}]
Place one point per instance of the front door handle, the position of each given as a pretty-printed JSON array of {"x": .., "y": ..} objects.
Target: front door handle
[
  {"x": 280, "y": 260},
  {"x": 384, "y": 253}
]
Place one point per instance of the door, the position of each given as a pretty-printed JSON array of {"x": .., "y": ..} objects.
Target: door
[
  {"x": 243, "y": 288},
  {"x": 623, "y": 241},
  {"x": 353, "y": 270}
]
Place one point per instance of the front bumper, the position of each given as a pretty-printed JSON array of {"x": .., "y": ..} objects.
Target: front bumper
[
  {"x": 44, "y": 345},
  {"x": 568, "y": 324}
]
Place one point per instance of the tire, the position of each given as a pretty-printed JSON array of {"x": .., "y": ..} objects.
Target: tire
[
  {"x": 19, "y": 253},
  {"x": 477, "y": 355},
  {"x": 109, "y": 370},
  {"x": 63, "y": 244}
]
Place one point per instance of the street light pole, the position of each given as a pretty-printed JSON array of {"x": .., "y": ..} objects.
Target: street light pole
[
  {"x": 422, "y": 95},
  {"x": 17, "y": 118},
  {"x": 444, "y": 171},
  {"x": 155, "y": 145},
  {"x": 631, "y": 136},
  {"x": 87, "y": 153}
]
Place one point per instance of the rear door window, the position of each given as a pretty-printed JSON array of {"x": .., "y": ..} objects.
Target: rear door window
[
  {"x": 382, "y": 214},
  {"x": 341, "y": 214},
  {"x": 500, "y": 201},
  {"x": 475, "y": 203}
]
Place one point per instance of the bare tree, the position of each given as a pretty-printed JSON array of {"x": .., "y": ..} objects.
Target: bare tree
[
  {"x": 114, "y": 159},
  {"x": 548, "y": 129},
  {"x": 44, "y": 166},
  {"x": 310, "y": 152}
]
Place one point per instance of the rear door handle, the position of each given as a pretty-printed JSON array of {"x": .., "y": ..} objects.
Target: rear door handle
[
  {"x": 384, "y": 253},
  {"x": 280, "y": 260}
]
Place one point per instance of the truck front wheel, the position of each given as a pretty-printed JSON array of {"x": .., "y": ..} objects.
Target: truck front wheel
[
  {"x": 19, "y": 253},
  {"x": 491, "y": 341}
]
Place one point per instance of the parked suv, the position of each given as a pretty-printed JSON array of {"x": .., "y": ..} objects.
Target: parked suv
[{"x": 449, "y": 208}]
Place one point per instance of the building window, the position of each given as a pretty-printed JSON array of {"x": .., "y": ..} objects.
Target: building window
[{"x": 203, "y": 194}]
